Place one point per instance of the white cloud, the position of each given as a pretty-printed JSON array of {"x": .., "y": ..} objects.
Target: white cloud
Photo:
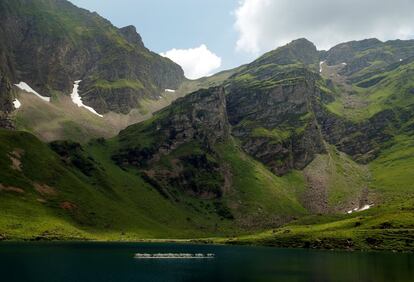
[
  {"x": 265, "y": 24},
  {"x": 196, "y": 62}
]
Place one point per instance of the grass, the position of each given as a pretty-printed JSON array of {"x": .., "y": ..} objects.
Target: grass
[
  {"x": 117, "y": 207},
  {"x": 375, "y": 229},
  {"x": 275, "y": 134},
  {"x": 343, "y": 179},
  {"x": 131, "y": 210},
  {"x": 116, "y": 204},
  {"x": 257, "y": 193},
  {"x": 60, "y": 119},
  {"x": 392, "y": 170},
  {"x": 389, "y": 225},
  {"x": 118, "y": 84}
]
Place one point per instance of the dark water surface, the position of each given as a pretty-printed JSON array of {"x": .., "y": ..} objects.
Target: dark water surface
[{"x": 79, "y": 262}]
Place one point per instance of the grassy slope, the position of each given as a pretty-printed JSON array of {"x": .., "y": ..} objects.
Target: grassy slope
[
  {"x": 115, "y": 204},
  {"x": 344, "y": 180},
  {"x": 387, "y": 226},
  {"x": 125, "y": 208},
  {"x": 61, "y": 119},
  {"x": 393, "y": 91},
  {"x": 393, "y": 170},
  {"x": 104, "y": 208},
  {"x": 258, "y": 195}
]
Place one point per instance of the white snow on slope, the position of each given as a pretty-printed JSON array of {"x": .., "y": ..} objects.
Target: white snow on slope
[
  {"x": 401, "y": 60},
  {"x": 78, "y": 100},
  {"x": 344, "y": 64},
  {"x": 25, "y": 87},
  {"x": 17, "y": 104},
  {"x": 320, "y": 66},
  {"x": 364, "y": 208},
  {"x": 169, "y": 90}
]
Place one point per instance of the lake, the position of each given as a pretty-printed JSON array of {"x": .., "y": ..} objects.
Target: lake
[{"x": 78, "y": 262}]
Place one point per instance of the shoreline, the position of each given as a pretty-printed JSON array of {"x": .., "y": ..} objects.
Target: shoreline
[{"x": 208, "y": 241}]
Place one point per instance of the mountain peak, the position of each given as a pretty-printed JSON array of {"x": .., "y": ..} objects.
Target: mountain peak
[
  {"x": 131, "y": 35},
  {"x": 301, "y": 42},
  {"x": 299, "y": 50}
]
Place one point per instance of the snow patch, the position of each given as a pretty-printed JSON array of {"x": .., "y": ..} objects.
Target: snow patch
[
  {"x": 401, "y": 60},
  {"x": 76, "y": 99},
  {"x": 25, "y": 87},
  {"x": 170, "y": 90},
  {"x": 364, "y": 208},
  {"x": 17, "y": 104},
  {"x": 344, "y": 64},
  {"x": 320, "y": 66}
]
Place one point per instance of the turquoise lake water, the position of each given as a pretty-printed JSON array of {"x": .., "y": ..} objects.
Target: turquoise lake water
[{"x": 79, "y": 262}]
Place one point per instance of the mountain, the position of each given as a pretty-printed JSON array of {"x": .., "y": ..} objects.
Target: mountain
[
  {"x": 118, "y": 73},
  {"x": 300, "y": 147},
  {"x": 73, "y": 44}
]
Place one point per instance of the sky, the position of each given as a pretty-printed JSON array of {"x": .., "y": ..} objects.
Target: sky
[{"x": 207, "y": 36}]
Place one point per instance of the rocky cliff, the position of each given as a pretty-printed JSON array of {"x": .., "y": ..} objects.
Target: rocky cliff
[
  {"x": 276, "y": 125},
  {"x": 187, "y": 132}
]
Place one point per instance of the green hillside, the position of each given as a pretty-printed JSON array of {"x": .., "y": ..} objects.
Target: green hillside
[{"x": 87, "y": 196}]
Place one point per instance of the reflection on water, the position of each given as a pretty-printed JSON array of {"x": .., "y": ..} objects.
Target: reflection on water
[{"x": 115, "y": 262}]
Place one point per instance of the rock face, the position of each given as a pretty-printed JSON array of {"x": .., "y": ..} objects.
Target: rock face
[
  {"x": 131, "y": 35},
  {"x": 364, "y": 140},
  {"x": 6, "y": 90},
  {"x": 116, "y": 69},
  {"x": 187, "y": 132},
  {"x": 276, "y": 125},
  {"x": 199, "y": 117},
  {"x": 6, "y": 106},
  {"x": 269, "y": 105}
]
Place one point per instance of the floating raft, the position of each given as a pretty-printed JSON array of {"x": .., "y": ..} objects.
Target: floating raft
[{"x": 174, "y": 256}]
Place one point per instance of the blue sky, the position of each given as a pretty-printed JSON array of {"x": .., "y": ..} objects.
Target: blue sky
[{"x": 206, "y": 36}]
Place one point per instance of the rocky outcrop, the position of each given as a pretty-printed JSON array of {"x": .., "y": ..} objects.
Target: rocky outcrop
[
  {"x": 362, "y": 140},
  {"x": 132, "y": 36},
  {"x": 6, "y": 94},
  {"x": 276, "y": 125},
  {"x": 6, "y": 98},
  {"x": 199, "y": 117},
  {"x": 186, "y": 133}
]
